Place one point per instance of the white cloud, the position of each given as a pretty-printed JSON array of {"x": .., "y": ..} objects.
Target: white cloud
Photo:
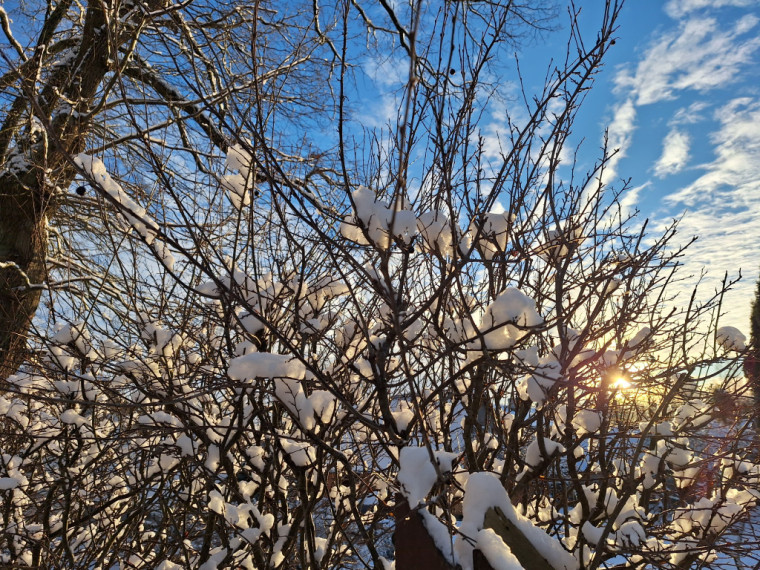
[
  {"x": 680, "y": 8},
  {"x": 699, "y": 55},
  {"x": 724, "y": 247},
  {"x": 675, "y": 154},
  {"x": 734, "y": 175},
  {"x": 631, "y": 199},
  {"x": 619, "y": 135},
  {"x": 689, "y": 115},
  {"x": 702, "y": 54},
  {"x": 380, "y": 113},
  {"x": 501, "y": 110},
  {"x": 385, "y": 81},
  {"x": 390, "y": 73},
  {"x": 724, "y": 206}
]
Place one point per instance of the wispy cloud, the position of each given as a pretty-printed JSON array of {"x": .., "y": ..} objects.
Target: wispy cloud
[
  {"x": 502, "y": 109},
  {"x": 723, "y": 204},
  {"x": 734, "y": 175},
  {"x": 702, "y": 54},
  {"x": 390, "y": 73},
  {"x": 631, "y": 199},
  {"x": 619, "y": 135},
  {"x": 680, "y": 8},
  {"x": 385, "y": 79},
  {"x": 689, "y": 115},
  {"x": 675, "y": 154}
]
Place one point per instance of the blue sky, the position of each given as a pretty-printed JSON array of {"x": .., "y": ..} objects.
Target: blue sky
[{"x": 681, "y": 97}]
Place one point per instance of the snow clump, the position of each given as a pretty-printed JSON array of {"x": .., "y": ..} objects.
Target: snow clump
[
  {"x": 508, "y": 319},
  {"x": 731, "y": 338},
  {"x": 484, "y": 491},
  {"x": 266, "y": 365},
  {"x": 238, "y": 185},
  {"x": 380, "y": 222},
  {"x": 417, "y": 475}
]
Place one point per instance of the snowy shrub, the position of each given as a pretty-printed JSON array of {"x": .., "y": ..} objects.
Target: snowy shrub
[{"x": 272, "y": 339}]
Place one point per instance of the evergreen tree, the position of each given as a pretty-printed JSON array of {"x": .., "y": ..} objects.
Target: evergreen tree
[
  {"x": 752, "y": 360},
  {"x": 755, "y": 321}
]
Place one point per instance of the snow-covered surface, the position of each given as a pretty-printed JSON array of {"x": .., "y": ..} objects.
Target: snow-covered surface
[
  {"x": 497, "y": 553},
  {"x": 442, "y": 537},
  {"x": 483, "y": 491},
  {"x": 416, "y": 474},
  {"x": 731, "y": 338},
  {"x": 266, "y": 365},
  {"x": 135, "y": 215}
]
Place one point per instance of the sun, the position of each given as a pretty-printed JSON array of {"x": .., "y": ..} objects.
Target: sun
[{"x": 620, "y": 383}]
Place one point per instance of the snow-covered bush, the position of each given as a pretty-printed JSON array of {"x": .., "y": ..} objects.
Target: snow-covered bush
[{"x": 286, "y": 346}]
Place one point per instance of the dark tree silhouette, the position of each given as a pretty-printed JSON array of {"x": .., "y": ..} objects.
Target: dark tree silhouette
[{"x": 752, "y": 359}]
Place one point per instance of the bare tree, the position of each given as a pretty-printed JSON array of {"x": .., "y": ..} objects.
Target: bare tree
[
  {"x": 53, "y": 89},
  {"x": 275, "y": 337},
  {"x": 108, "y": 75}
]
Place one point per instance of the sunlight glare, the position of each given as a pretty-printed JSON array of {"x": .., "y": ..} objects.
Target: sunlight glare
[{"x": 620, "y": 383}]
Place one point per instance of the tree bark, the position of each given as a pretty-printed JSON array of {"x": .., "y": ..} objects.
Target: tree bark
[
  {"x": 23, "y": 243},
  {"x": 49, "y": 125}
]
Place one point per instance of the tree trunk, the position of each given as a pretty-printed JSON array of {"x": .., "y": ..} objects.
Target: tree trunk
[
  {"x": 23, "y": 243},
  {"x": 49, "y": 126}
]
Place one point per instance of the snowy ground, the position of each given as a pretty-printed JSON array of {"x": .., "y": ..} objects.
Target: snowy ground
[
  {"x": 746, "y": 538},
  {"x": 743, "y": 539}
]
